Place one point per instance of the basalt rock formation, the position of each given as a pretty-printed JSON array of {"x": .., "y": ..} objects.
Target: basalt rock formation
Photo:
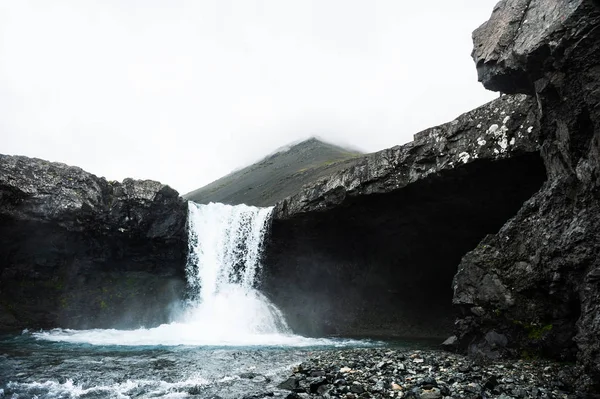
[
  {"x": 80, "y": 251},
  {"x": 534, "y": 287},
  {"x": 373, "y": 248}
]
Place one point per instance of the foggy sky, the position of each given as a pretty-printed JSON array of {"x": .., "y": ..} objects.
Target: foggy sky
[{"x": 185, "y": 91}]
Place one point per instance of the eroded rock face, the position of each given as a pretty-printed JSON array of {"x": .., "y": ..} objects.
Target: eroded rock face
[
  {"x": 372, "y": 249},
  {"x": 536, "y": 281},
  {"x": 526, "y": 39},
  {"x": 499, "y": 130},
  {"x": 78, "y": 251}
]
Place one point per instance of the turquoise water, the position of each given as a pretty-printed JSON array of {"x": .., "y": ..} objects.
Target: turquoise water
[{"x": 32, "y": 367}]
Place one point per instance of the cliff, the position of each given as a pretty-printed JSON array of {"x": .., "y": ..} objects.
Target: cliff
[
  {"x": 79, "y": 251},
  {"x": 377, "y": 245},
  {"x": 372, "y": 249},
  {"x": 536, "y": 282}
]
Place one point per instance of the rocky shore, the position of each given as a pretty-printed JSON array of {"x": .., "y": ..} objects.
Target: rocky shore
[{"x": 426, "y": 374}]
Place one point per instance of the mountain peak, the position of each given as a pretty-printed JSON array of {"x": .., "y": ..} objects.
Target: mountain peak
[{"x": 278, "y": 175}]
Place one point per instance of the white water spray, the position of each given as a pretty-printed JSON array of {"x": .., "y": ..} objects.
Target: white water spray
[
  {"x": 223, "y": 265},
  {"x": 225, "y": 307}
]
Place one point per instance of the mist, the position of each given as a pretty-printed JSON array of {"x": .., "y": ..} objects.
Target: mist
[{"x": 185, "y": 91}]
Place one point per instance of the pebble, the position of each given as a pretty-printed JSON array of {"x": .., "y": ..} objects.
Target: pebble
[{"x": 424, "y": 374}]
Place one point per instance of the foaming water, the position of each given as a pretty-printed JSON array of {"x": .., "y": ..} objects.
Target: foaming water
[
  {"x": 222, "y": 271},
  {"x": 186, "y": 334},
  {"x": 225, "y": 308}
]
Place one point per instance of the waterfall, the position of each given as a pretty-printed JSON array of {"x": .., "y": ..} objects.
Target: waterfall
[
  {"x": 225, "y": 247},
  {"x": 224, "y": 307}
]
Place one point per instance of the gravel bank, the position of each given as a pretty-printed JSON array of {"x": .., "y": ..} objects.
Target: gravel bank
[{"x": 426, "y": 374}]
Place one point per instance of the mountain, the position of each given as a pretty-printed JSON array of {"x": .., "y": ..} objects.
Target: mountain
[{"x": 277, "y": 176}]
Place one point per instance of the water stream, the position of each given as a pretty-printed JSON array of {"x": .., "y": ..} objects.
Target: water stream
[{"x": 231, "y": 341}]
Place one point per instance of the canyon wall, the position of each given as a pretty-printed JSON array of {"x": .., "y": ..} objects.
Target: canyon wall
[
  {"x": 534, "y": 287},
  {"x": 79, "y": 251},
  {"x": 372, "y": 249}
]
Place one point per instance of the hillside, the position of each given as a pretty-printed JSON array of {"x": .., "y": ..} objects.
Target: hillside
[{"x": 277, "y": 176}]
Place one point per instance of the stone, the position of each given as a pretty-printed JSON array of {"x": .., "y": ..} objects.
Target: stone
[
  {"x": 357, "y": 388},
  {"x": 101, "y": 253},
  {"x": 408, "y": 213},
  {"x": 535, "y": 277},
  {"x": 316, "y": 383},
  {"x": 450, "y": 341},
  {"x": 433, "y": 393},
  {"x": 291, "y": 384}
]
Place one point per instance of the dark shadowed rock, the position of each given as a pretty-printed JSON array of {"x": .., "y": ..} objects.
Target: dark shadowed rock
[
  {"x": 536, "y": 280},
  {"x": 79, "y": 251},
  {"x": 502, "y": 129},
  {"x": 372, "y": 249}
]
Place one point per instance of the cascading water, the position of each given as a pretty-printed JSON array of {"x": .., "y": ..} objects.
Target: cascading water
[
  {"x": 223, "y": 264},
  {"x": 224, "y": 308}
]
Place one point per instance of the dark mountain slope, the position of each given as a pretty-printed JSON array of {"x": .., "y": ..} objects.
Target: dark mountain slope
[{"x": 277, "y": 176}]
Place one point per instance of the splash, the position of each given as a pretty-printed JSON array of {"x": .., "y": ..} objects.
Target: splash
[
  {"x": 225, "y": 306},
  {"x": 222, "y": 269}
]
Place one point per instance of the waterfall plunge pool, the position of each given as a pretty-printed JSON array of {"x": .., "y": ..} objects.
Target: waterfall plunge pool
[{"x": 230, "y": 342}]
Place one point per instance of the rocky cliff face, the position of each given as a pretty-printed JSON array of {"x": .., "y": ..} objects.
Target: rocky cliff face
[
  {"x": 79, "y": 251},
  {"x": 373, "y": 248},
  {"x": 534, "y": 287}
]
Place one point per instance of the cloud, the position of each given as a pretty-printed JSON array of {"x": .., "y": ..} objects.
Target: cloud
[{"x": 186, "y": 91}]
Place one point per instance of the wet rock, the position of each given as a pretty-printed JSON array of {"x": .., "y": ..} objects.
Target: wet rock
[
  {"x": 100, "y": 253},
  {"x": 534, "y": 279},
  {"x": 433, "y": 393},
  {"x": 316, "y": 383},
  {"x": 357, "y": 387},
  {"x": 454, "y": 377},
  {"x": 450, "y": 342},
  {"x": 291, "y": 384}
]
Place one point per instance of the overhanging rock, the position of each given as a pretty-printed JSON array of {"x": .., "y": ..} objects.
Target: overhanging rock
[
  {"x": 536, "y": 281},
  {"x": 372, "y": 249}
]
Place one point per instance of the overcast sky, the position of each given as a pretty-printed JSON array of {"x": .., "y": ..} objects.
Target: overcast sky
[{"x": 185, "y": 91}]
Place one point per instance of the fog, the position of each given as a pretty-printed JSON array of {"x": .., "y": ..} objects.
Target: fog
[{"x": 185, "y": 91}]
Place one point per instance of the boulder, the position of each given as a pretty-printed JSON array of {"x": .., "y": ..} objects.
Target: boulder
[
  {"x": 536, "y": 280},
  {"x": 80, "y": 251}
]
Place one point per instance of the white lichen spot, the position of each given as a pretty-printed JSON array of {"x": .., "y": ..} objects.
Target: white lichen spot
[
  {"x": 481, "y": 141},
  {"x": 492, "y": 129},
  {"x": 464, "y": 157},
  {"x": 500, "y": 135},
  {"x": 530, "y": 129},
  {"x": 479, "y": 126},
  {"x": 512, "y": 141},
  {"x": 502, "y": 139}
]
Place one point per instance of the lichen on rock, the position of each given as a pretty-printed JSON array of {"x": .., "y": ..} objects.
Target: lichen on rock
[{"x": 79, "y": 251}]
